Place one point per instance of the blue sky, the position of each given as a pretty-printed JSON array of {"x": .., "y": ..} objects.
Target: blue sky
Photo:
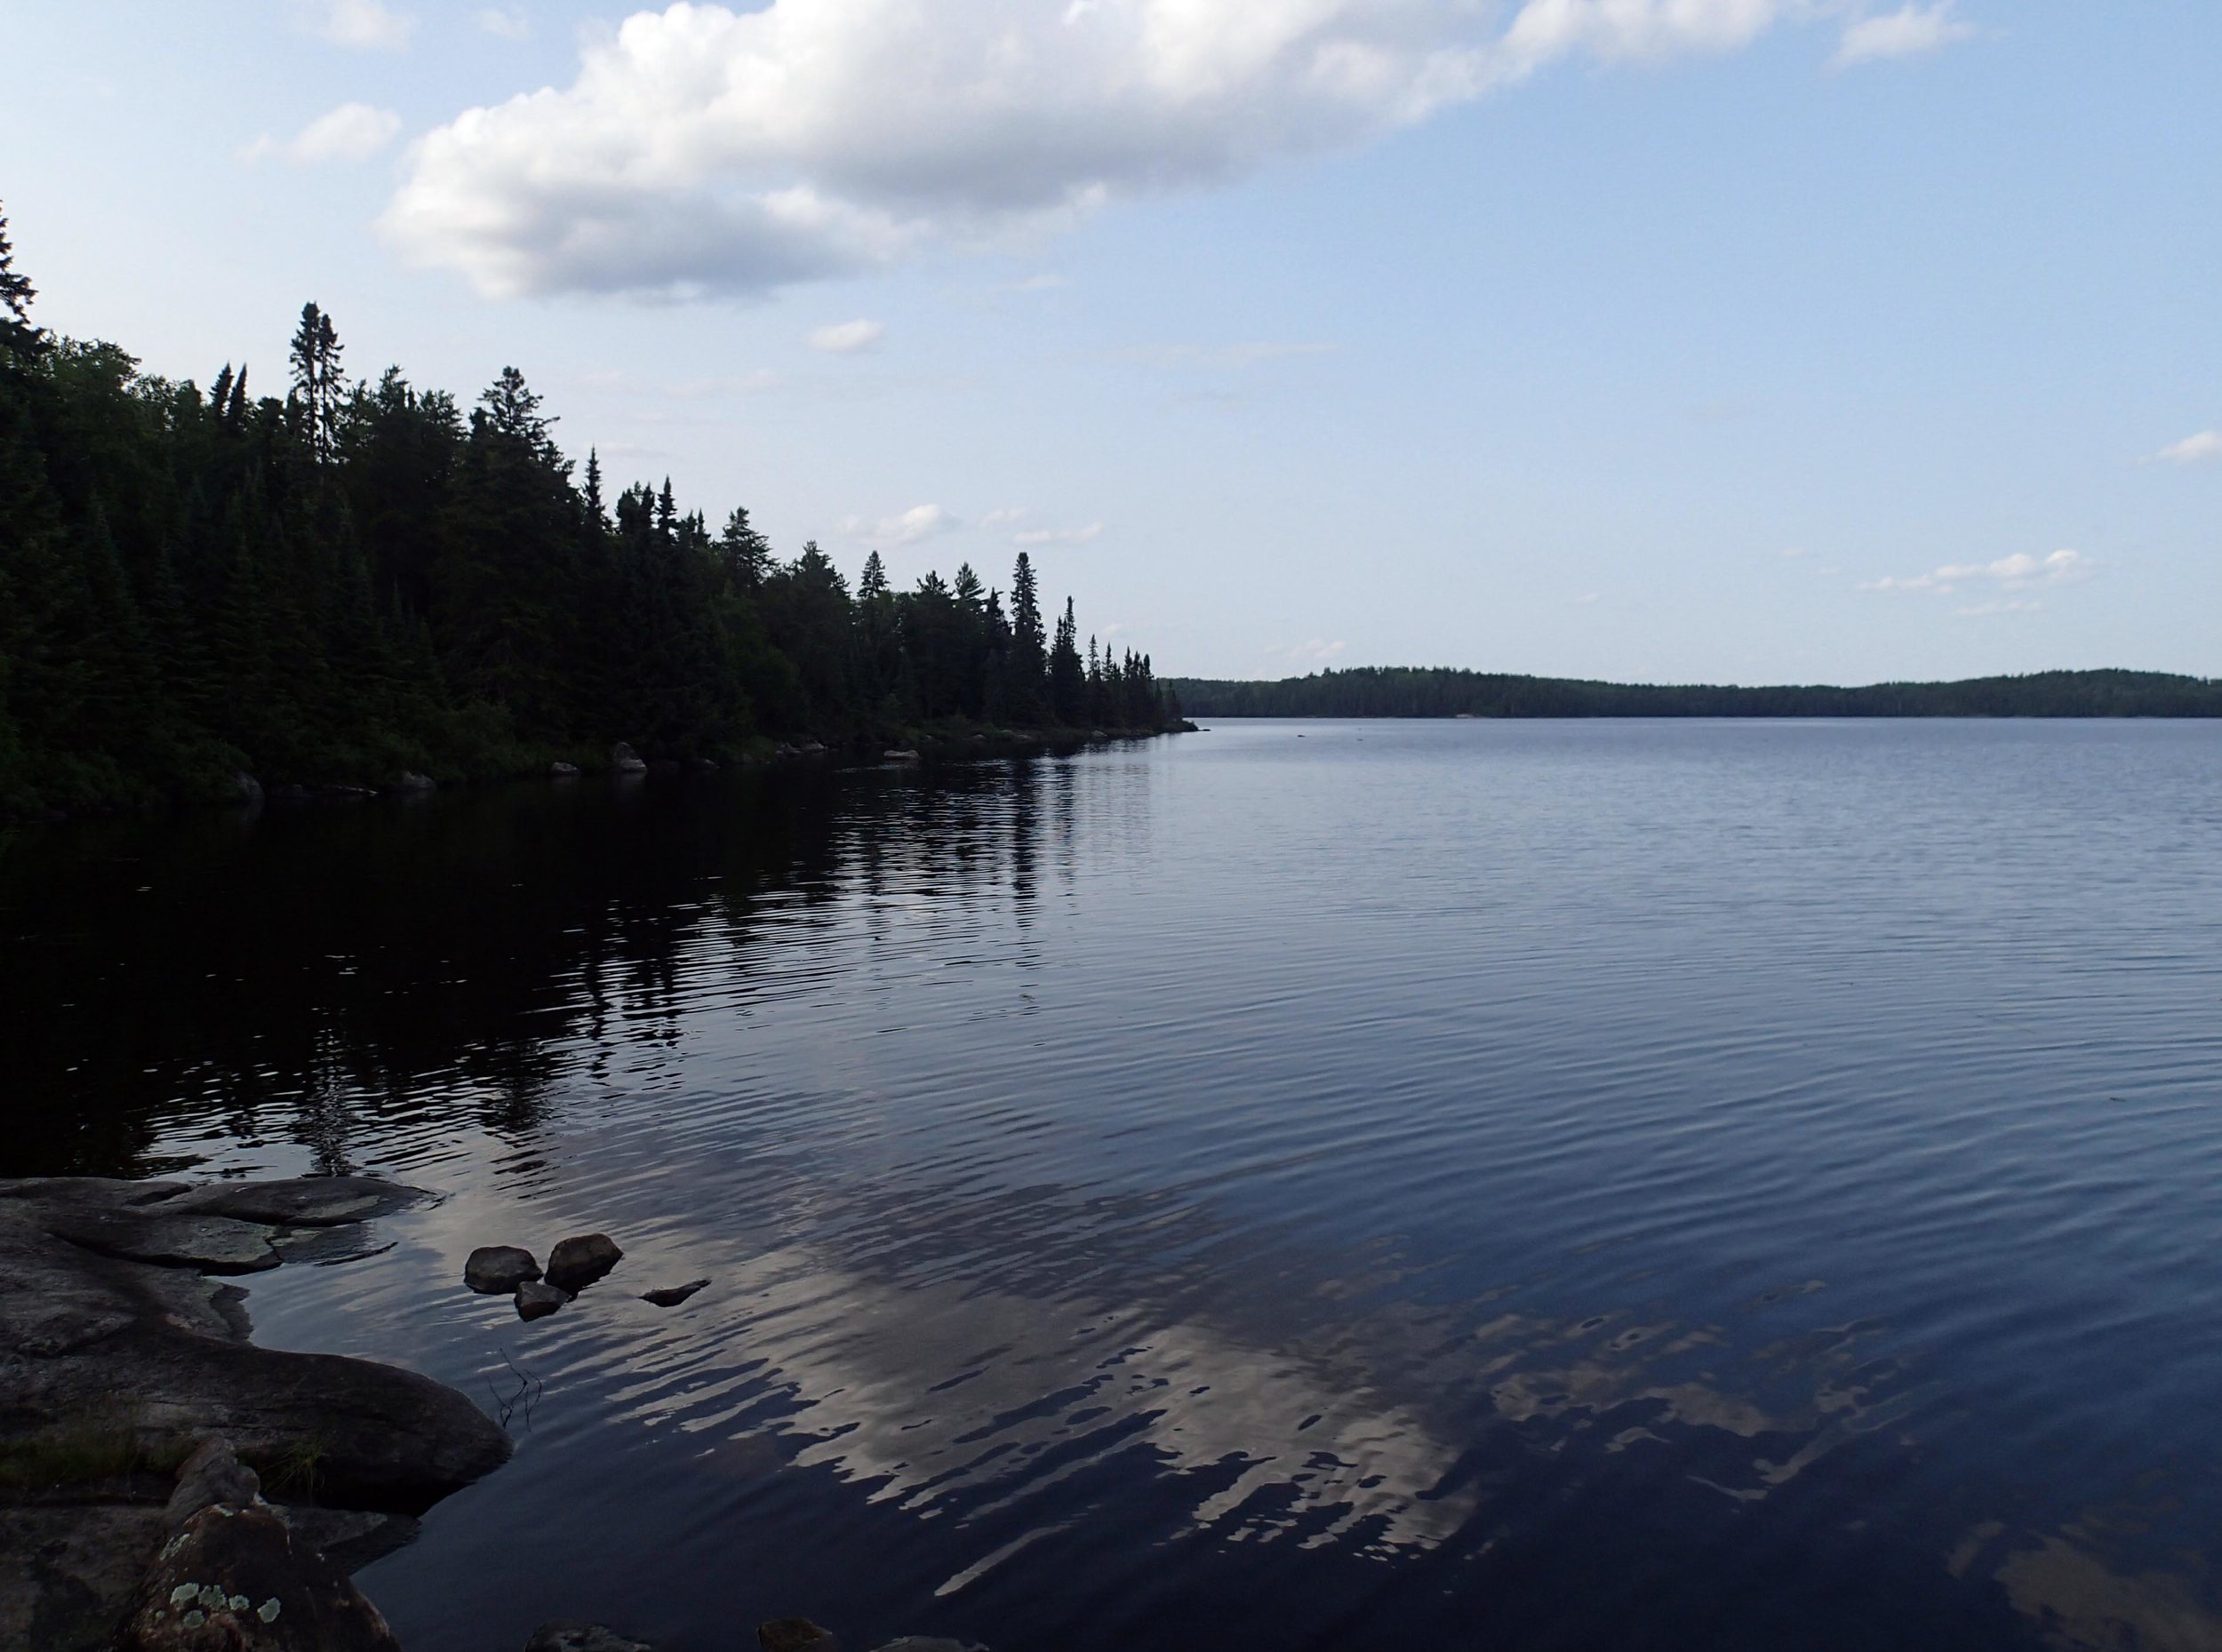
[{"x": 1658, "y": 339}]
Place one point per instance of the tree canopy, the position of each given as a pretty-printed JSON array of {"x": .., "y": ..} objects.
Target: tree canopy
[{"x": 360, "y": 578}]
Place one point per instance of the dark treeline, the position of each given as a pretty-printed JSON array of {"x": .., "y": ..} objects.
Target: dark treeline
[
  {"x": 350, "y": 579},
  {"x": 1400, "y": 692}
]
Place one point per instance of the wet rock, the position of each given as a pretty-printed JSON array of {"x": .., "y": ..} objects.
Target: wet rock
[
  {"x": 349, "y": 1538},
  {"x": 324, "y": 1246},
  {"x": 900, "y": 755},
  {"x": 672, "y": 1295},
  {"x": 496, "y": 1270},
  {"x": 569, "y": 1637},
  {"x": 213, "y": 1244},
  {"x": 409, "y": 781},
  {"x": 250, "y": 788},
  {"x": 562, "y": 771},
  {"x": 536, "y": 1300},
  {"x": 795, "y": 1634},
  {"x": 625, "y": 759},
  {"x": 301, "y": 1201},
  {"x": 578, "y": 1262},
  {"x": 239, "y": 1580},
  {"x": 212, "y": 1474}
]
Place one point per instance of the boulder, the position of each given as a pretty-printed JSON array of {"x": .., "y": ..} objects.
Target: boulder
[
  {"x": 250, "y": 788},
  {"x": 570, "y": 1637},
  {"x": 238, "y": 1580},
  {"x": 672, "y": 1295},
  {"x": 562, "y": 771},
  {"x": 497, "y": 1270},
  {"x": 578, "y": 1262},
  {"x": 795, "y": 1634},
  {"x": 213, "y": 1473},
  {"x": 411, "y": 781},
  {"x": 625, "y": 759},
  {"x": 536, "y": 1300},
  {"x": 67, "y": 1569}
]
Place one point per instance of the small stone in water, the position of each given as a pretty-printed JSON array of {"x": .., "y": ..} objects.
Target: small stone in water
[
  {"x": 496, "y": 1270},
  {"x": 672, "y": 1295},
  {"x": 537, "y": 1301}
]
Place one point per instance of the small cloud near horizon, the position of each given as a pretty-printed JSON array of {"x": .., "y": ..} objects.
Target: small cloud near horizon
[
  {"x": 1912, "y": 31},
  {"x": 919, "y": 522},
  {"x": 1059, "y": 536},
  {"x": 848, "y": 338},
  {"x": 2204, "y": 449},
  {"x": 1314, "y": 651},
  {"x": 353, "y": 132},
  {"x": 2018, "y": 572}
]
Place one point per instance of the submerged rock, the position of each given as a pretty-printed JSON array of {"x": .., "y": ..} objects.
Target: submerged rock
[
  {"x": 672, "y": 1295},
  {"x": 302, "y": 1202},
  {"x": 578, "y": 1262},
  {"x": 625, "y": 759},
  {"x": 537, "y": 1300},
  {"x": 349, "y": 1538},
  {"x": 570, "y": 1637},
  {"x": 795, "y": 1634},
  {"x": 238, "y": 1580},
  {"x": 497, "y": 1270}
]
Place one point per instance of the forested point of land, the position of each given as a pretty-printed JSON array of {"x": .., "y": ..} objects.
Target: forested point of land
[
  {"x": 355, "y": 581},
  {"x": 1378, "y": 691}
]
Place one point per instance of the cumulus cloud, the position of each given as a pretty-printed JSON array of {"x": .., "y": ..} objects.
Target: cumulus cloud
[
  {"x": 510, "y": 24},
  {"x": 702, "y": 150},
  {"x": 2018, "y": 572},
  {"x": 363, "y": 24},
  {"x": 1916, "y": 31},
  {"x": 919, "y": 522},
  {"x": 353, "y": 132},
  {"x": 847, "y": 338},
  {"x": 1059, "y": 536},
  {"x": 2204, "y": 449}
]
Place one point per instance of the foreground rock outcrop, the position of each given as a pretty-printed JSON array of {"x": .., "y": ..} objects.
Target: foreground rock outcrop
[{"x": 122, "y": 1355}]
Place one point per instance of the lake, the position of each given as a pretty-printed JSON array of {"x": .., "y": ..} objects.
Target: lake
[{"x": 1611, "y": 1185}]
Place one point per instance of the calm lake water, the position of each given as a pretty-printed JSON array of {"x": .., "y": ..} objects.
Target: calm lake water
[{"x": 1676, "y": 1185}]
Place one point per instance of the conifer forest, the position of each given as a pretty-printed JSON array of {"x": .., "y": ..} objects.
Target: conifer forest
[{"x": 328, "y": 580}]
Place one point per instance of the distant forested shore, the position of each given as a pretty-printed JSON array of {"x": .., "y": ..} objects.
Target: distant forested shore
[
  {"x": 353, "y": 581},
  {"x": 1391, "y": 691}
]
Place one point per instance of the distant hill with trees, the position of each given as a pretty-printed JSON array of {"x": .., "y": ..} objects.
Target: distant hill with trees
[
  {"x": 1401, "y": 691},
  {"x": 350, "y": 579}
]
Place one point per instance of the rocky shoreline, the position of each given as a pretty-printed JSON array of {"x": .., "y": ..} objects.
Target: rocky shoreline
[{"x": 167, "y": 1486}]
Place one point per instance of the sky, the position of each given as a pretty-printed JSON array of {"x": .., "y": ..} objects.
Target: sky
[{"x": 1666, "y": 341}]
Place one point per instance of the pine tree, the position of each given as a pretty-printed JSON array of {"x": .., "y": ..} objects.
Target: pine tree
[
  {"x": 317, "y": 383},
  {"x": 1068, "y": 679},
  {"x": 18, "y": 337},
  {"x": 1027, "y": 667}
]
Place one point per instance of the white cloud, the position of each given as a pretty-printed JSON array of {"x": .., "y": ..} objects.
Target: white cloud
[
  {"x": 1914, "y": 31},
  {"x": 363, "y": 24},
  {"x": 1317, "y": 651},
  {"x": 511, "y": 24},
  {"x": 920, "y": 521},
  {"x": 1059, "y": 536},
  {"x": 2017, "y": 572},
  {"x": 353, "y": 132},
  {"x": 1003, "y": 517},
  {"x": 2204, "y": 449},
  {"x": 701, "y": 150},
  {"x": 847, "y": 338}
]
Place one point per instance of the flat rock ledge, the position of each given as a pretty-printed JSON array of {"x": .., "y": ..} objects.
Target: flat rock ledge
[{"x": 122, "y": 1357}]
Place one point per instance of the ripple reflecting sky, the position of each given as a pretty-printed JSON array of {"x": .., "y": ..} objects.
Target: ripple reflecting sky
[{"x": 1675, "y": 1186}]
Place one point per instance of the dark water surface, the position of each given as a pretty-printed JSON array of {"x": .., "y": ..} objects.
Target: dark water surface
[{"x": 1678, "y": 1185}]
